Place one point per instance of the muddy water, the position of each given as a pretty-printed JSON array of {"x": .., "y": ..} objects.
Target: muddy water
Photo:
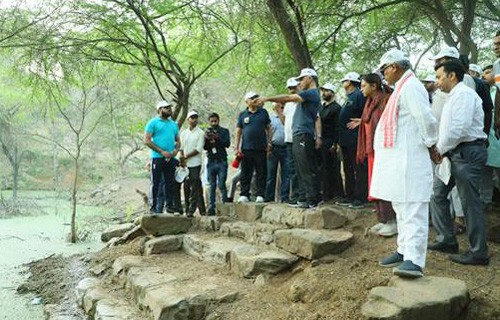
[{"x": 23, "y": 239}]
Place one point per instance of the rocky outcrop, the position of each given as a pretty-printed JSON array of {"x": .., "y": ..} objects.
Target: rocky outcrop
[
  {"x": 116, "y": 231},
  {"x": 165, "y": 224}
]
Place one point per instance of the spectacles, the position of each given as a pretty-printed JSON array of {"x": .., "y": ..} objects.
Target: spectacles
[
  {"x": 254, "y": 97},
  {"x": 386, "y": 67}
]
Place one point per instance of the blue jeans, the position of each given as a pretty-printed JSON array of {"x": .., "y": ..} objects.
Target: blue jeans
[
  {"x": 277, "y": 156},
  {"x": 217, "y": 175}
]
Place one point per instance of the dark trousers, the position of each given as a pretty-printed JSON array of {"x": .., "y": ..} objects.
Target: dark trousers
[
  {"x": 331, "y": 180},
  {"x": 277, "y": 156},
  {"x": 467, "y": 162},
  {"x": 161, "y": 168},
  {"x": 296, "y": 192},
  {"x": 253, "y": 160},
  {"x": 356, "y": 175},
  {"x": 306, "y": 157},
  {"x": 217, "y": 175},
  {"x": 193, "y": 192}
]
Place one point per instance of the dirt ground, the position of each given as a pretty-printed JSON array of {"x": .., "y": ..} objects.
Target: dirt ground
[{"x": 334, "y": 289}]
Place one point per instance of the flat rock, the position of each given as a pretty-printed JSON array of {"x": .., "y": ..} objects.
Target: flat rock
[
  {"x": 133, "y": 233},
  {"x": 116, "y": 231},
  {"x": 224, "y": 209},
  {"x": 124, "y": 263},
  {"x": 208, "y": 223},
  {"x": 163, "y": 244},
  {"x": 216, "y": 250},
  {"x": 313, "y": 244},
  {"x": 283, "y": 214},
  {"x": 248, "y": 211},
  {"x": 323, "y": 219},
  {"x": 429, "y": 298},
  {"x": 114, "y": 309},
  {"x": 249, "y": 261},
  {"x": 350, "y": 214},
  {"x": 83, "y": 286},
  {"x": 90, "y": 299},
  {"x": 140, "y": 279},
  {"x": 165, "y": 224},
  {"x": 252, "y": 232}
]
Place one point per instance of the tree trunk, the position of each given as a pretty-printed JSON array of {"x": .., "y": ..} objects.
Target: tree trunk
[
  {"x": 299, "y": 50},
  {"x": 15, "y": 178},
  {"x": 73, "y": 201}
]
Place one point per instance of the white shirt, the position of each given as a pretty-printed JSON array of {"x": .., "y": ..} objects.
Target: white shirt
[
  {"x": 404, "y": 173},
  {"x": 193, "y": 140},
  {"x": 439, "y": 97},
  {"x": 289, "y": 111},
  {"x": 462, "y": 119}
]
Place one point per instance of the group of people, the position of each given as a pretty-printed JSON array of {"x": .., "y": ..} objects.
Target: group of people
[{"x": 416, "y": 149}]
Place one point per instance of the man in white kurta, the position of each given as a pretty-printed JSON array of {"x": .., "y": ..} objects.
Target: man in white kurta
[{"x": 402, "y": 171}]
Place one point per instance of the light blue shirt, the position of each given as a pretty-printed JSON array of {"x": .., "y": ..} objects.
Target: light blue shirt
[
  {"x": 163, "y": 134},
  {"x": 494, "y": 143},
  {"x": 278, "y": 130}
]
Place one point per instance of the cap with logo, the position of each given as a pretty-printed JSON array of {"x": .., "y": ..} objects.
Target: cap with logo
[
  {"x": 291, "y": 83},
  {"x": 392, "y": 56},
  {"x": 163, "y": 104},
  {"x": 192, "y": 113},
  {"x": 251, "y": 95},
  {"x": 328, "y": 86},
  {"x": 306, "y": 72},
  {"x": 450, "y": 52},
  {"x": 476, "y": 68},
  {"x": 430, "y": 78},
  {"x": 351, "y": 76}
]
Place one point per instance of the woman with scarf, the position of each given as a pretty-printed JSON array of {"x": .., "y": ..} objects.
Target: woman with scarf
[{"x": 376, "y": 96}]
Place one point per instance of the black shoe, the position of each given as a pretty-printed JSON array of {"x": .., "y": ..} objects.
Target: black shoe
[
  {"x": 393, "y": 260},
  {"x": 211, "y": 211},
  {"x": 313, "y": 204},
  {"x": 468, "y": 258},
  {"x": 229, "y": 200},
  {"x": 442, "y": 247},
  {"x": 344, "y": 202},
  {"x": 171, "y": 210}
]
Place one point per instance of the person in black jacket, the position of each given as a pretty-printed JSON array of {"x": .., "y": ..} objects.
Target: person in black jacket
[
  {"x": 330, "y": 164},
  {"x": 217, "y": 139}
]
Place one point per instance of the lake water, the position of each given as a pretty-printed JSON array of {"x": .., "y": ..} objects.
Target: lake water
[{"x": 24, "y": 239}]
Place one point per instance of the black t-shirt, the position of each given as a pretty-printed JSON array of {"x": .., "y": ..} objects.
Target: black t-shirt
[
  {"x": 353, "y": 108},
  {"x": 253, "y": 125},
  {"x": 330, "y": 121}
]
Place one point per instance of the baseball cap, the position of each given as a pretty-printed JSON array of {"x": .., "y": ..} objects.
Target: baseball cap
[
  {"x": 192, "y": 113},
  {"x": 290, "y": 83},
  {"x": 306, "y": 72},
  {"x": 430, "y": 78},
  {"x": 475, "y": 67},
  {"x": 250, "y": 95},
  {"x": 181, "y": 173},
  {"x": 392, "y": 56},
  {"x": 450, "y": 52},
  {"x": 328, "y": 86},
  {"x": 163, "y": 103},
  {"x": 351, "y": 76}
]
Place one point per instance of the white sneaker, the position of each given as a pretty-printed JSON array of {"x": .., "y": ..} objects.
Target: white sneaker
[
  {"x": 243, "y": 199},
  {"x": 376, "y": 228},
  {"x": 389, "y": 229},
  {"x": 259, "y": 199},
  {"x": 177, "y": 213}
]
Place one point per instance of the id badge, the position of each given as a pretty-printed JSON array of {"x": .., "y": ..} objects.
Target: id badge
[
  {"x": 246, "y": 120},
  {"x": 214, "y": 150}
]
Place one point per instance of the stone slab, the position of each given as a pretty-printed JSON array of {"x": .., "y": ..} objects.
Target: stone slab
[
  {"x": 248, "y": 211},
  {"x": 252, "y": 232},
  {"x": 83, "y": 286},
  {"x": 429, "y": 298},
  {"x": 216, "y": 250},
  {"x": 140, "y": 279},
  {"x": 90, "y": 299},
  {"x": 163, "y": 244},
  {"x": 114, "y": 309},
  {"x": 250, "y": 261},
  {"x": 116, "y": 231},
  {"x": 323, "y": 219},
  {"x": 283, "y": 214},
  {"x": 313, "y": 244},
  {"x": 165, "y": 224},
  {"x": 208, "y": 223},
  {"x": 124, "y": 263},
  {"x": 224, "y": 209},
  {"x": 350, "y": 214}
]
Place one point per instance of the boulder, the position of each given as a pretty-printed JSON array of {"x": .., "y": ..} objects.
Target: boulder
[
  {"x": 113, "y": 309},
  {"x": 140, "y": 279},
  {"x": 313, "y": 244},
  {"x": 135, "y": 232},
  {"x": 83, "y": 286},
  {"x": 282, "y": 214},
  {"x": 90, "y": 299},
  {"x": 124, "y": 263},
  {"x": 350, "y": 214},
  {"x": 165, "y": 224},
  {"x": 248, "y": 211},
  {"x": 163, "y": 244},
  {"x": 429, "y": 298},
  {"x": 324, "y": 219},
  {"x": 116, "y": 231},
  {"x": 250, "y": 261}
]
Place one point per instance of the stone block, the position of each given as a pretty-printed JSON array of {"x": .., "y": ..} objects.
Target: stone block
[
  {"x": 250, "y": 261},
  {"x": 90, "y": 299},
  {"x": 429, "y": 298},
  {"x": 252, "y": 232},
  {"x": 114, "y": 309},
  {"x": 350, "y": 214},
  {"x": 224, "y": 209},
  {"x": 83, "y": 286},
  {"x": 208, "y": 223},
  {"x": 135, "y": 232},
  {"x": 116, "y": 231},
  {"x": 165, "y": 224},
  {"x": 323, "y": 219},
  {"x": 140, "y": 279},
  {"x": 313, "y": 244},
  {"x": 216, "y": 250},
  {"x": 248, "y": 211},
  {"x": 163, "y": 244},
  {"x": 283, "y": 214},
  {"x": 124, "y": 263}
]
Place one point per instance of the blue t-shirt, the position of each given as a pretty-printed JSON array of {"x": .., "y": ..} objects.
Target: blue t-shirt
[
  {"x": 253, "y": 125},
  {"x": 352, "y": 108},
  {"x": 306, "y": 113},
  {"x": 163, "y": 133}
]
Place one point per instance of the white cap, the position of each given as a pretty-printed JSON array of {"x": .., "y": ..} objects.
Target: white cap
[
  {"x": 306, "y": 72},
  {"x": 351, "y": 76},
  {"x": 191, "y": 113},
  {"x": 392, "y": 56},
  {"x": 163, "y": 103},
  {"x": 328, "y": 86},
  {"x": 475, "y": 67},
  {"x": 450, "y": 52},
  {"x": 292, "y": 82},
  {"x": 251, "y": 94},
  {"x": 430, "y": 78},
  {"x": 181, "y": 173}
]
